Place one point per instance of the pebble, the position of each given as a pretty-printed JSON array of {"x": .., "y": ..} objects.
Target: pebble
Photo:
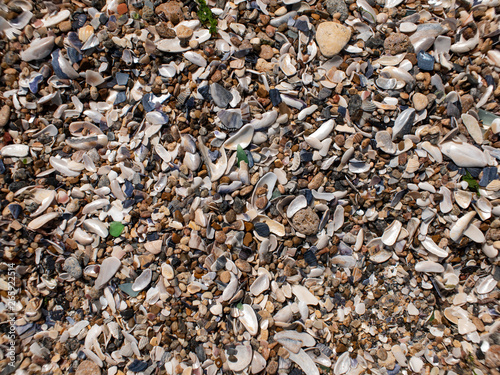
[
  {"x": 72, "y": 266},
  {"x": 88, "y": 367},
  {"x": 332, "y": 38},
  {"x": 396, "y": 43},
  {"x": 420, "y": 101},
  {"x": 425, "y": 61},
  {"x": 4, "y": 115},
  {"x": 337, "y": 6},
  {"x": 306, "y": 221}
]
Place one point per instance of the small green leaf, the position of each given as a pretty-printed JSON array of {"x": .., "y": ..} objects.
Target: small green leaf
[
  {"x": 239, "y": 306},
  {"x": 473, "y": 184},
  {"x": 241, "y": 154},
  {"x": 116, "y": 228}
]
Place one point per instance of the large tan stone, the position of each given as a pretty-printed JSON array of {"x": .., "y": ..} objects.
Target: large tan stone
[{"x": 332, "y": 37}]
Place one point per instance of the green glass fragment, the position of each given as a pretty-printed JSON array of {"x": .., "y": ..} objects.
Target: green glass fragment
[
  {"x": 116, "y": 228},
  {"x": 241, "y": 154}
]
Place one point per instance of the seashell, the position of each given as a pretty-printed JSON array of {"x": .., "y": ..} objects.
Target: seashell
[
  {"x": 464, "y": 154},
  {"x": 302, "y": 115},
  {"x": 167, "y": 271},
  {"x": 230, "y": 289},
  {"x": 343, "y": 364},
  {"x": 142, "y": 281},
  {"x": 384, "y": 142},
  {"x": 413, "y": 164},
  {"x": 82, "y": 237},
  {"x": 243, "y": 138},
  {"x": 93, "y": 78},
  {"x": 38, "y": 49},
  {"x": 87, "y": 143},
  {"x": 403, "y": 123},
  {"x": 304, "y": 338},
  {"x": 297, "y": 204},
  {"x": 97, "y": 227},
  {"x": 269, "y": 180},
  {"x": 381, "y": 256},
  {"x": 249, "y": 319},
  {"x": 63, "y": 167},
  {"x": 429, "y": 266},
  {"x": 258, "y": 363},
  {"x": 391, "y": 233},
  {"x": 490, "y": 251},
  {"x": 260, "y": 284},
  {"x": 268, "y": 119},
  {"x": 16, "y": 150},
  {"x": 304, "y": 295},
  {"x": 475, "y": 234},
  {"x": 287, "y": 64},
  {"x": 431, "y": 247},
  {"x": 486, "y": 285},
  {"x": 195, "y": 58},
  {"x": 304, "y": 361},
  {"x": 109, "y": 267},
  {"x": 473, "y": 128},
  {"x": 216, "y": 170},
  {"x": 464, "y": 45},
  {"x": 338, "y": 218},
  {"x": 42, "y": 220},
  {"x": 192, "y": 161},
  {"x": 45, "y": 203},
  {"x": 62, "y": 67},
  {"x": 458, "y": 229},
  {"x": 241, "y": 358},
  {"x": 463, "y": 198},
  {"x": 389, "y": 60},
  {"x": 434, "y": 151}
]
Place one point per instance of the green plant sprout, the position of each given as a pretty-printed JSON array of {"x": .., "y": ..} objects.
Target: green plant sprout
[{"x": 206, "y": 16}]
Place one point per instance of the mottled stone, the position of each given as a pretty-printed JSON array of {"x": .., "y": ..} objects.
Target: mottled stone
[
  {"x": 88, "y": 367},
  {"x": 396, "y": 43},
  {"x": 306, "y": 221},
  {"x": 332, "y": 37},
  {"x": 337, "y": 6},
  {"x": 172, "y": 11}
]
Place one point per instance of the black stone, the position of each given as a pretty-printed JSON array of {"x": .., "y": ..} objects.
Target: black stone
[{"x": 262, "y": 229}]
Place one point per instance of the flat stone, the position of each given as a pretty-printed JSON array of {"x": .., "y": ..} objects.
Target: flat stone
[
  {"x": 337, "y": 6},
  {"x": 266, "y": 52},
  {"x": 4, "y": 115},
  {"x": 88, "y": 367},
  {"x": 172, "y": 11},
  {"x": 420, "y": 101},
  {"x": 306, "y": 221},
  {"x": 396, "y": 43},
  {"x": 316, "y": 181},
  {"x": 332, "y": 37}
]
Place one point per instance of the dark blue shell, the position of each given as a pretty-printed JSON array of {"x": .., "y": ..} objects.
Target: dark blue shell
[
  {"x": 15, "y": 210},
  {"x": 35, "y": 82}
]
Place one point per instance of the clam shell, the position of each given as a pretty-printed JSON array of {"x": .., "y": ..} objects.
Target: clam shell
[
  {"x": 243, "y": 138},
  {"x": 42, "y": 220},
  {"x": 304, "y": 295},
  {"x": 108, "y": 269},
  {"x": 464, "y": 154},
  {"x": 461, "y": 225},
  {"x": 242, "y": 359},
  {"x": 304, "y": 361},
  {"x": 297, "y": 204},
  {"x": 391, "y": 233},
  {"x": 269, "y": 180},
  {"x": 249, "y": 319},
  {"x": 429, "y": 266}
]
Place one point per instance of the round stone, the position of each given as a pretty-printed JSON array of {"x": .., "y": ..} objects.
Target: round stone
[
  {"x": 396, "y": 43},
  {"x": 332, "y": 37},
  {"x": 88, "y": 368},
  {"x": 72, "y": 266},
  {"x": 420, "y": 101},
  {"x": 306, "y": 221}
]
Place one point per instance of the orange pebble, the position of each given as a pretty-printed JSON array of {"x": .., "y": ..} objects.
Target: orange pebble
[{"x": 122, "y": 8}]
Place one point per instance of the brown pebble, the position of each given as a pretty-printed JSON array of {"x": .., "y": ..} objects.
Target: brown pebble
[
  {"x": 220, "y": 236},
  {"x": 88, "y": 367}
]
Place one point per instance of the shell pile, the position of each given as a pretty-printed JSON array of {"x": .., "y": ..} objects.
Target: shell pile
[{"x": 250, "y": 187}]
